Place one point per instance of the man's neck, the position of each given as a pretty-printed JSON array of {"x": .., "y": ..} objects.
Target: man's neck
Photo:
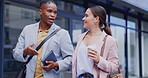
[{"x": 43, "y": 26}]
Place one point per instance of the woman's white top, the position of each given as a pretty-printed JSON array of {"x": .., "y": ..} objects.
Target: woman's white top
[{"x": 84, "y": 63}]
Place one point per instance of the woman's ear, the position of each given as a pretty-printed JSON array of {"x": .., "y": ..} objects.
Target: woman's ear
[{"x": 96, "y": 19}]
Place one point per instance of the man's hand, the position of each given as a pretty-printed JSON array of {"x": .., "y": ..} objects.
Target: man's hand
[
  {"x": 30, "y": 51},
  {"x": 51, "y": 65}
]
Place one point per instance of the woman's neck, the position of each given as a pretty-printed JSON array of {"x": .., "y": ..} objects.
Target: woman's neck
[{"x": 95, "y": 32}]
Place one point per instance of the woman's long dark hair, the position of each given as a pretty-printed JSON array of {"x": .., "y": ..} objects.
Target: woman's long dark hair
[{"x": 101, "y": 13}]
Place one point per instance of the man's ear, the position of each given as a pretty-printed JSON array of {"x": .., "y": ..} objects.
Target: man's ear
[{"x": 40, "y": 11}]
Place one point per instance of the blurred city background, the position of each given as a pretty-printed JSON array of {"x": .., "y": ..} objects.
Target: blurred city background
[{"x": 128, "y": 20}]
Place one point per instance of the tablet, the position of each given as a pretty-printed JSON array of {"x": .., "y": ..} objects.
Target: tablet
[{"x": 50, "y": 57}]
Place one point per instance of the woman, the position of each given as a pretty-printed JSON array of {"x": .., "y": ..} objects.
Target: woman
[{"x": 87, "y": 62}]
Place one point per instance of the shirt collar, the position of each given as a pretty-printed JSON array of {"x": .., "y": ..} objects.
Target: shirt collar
[{"x": 46, "y": 31}]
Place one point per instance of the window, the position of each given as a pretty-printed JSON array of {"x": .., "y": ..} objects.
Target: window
[
  {"x": 117, "y": 19},
  {"x": 132, "y": 22},
  {"x": 62, "y": 22},
  {"x": 77, "y": 29},
  {"x": 133, "y": 49},
  {"x": 69, "y": 7},
  {"x": 145, "y": 26},
  {"x": 121, "y": 46},
  {"x": 144, "y": 48}
]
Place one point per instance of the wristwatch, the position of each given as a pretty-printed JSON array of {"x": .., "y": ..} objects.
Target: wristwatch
[{"x": 56, "y": 68}]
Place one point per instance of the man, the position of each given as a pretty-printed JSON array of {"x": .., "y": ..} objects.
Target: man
[{"x": 33, "y": 34}]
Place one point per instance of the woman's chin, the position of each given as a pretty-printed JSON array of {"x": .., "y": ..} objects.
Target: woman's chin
[{"x": 86, "y": 27}]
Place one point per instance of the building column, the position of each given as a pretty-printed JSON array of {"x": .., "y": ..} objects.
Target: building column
[
  {"x": 140, "y": 15},
  {"x": 1, "y": 36},
  {"x": 126, "y": 43}
]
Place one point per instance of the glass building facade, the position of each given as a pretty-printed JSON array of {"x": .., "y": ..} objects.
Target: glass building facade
[{"x": 129, "y": 28}]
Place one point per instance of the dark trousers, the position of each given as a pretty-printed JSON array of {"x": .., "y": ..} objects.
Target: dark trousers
[{"x": 86, "y": 75}]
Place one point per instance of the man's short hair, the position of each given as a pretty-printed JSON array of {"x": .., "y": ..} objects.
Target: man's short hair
[{"x": 45, "y": 1}]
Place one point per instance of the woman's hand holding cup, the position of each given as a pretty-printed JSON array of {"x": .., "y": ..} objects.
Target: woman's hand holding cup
[{"x": 93, "y": 54}]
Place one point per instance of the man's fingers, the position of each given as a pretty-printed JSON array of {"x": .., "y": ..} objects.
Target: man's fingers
[
  {"x": 45, "y": 68},
  {"x": 49, "y": 66},
  {"x": 31, "y": 51},
  {"x": 31, "y": 45},
  {"x": 49, "y": 62},
  {"x": 30, "y": 48},
  {"x": 35, "y": 53}
]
